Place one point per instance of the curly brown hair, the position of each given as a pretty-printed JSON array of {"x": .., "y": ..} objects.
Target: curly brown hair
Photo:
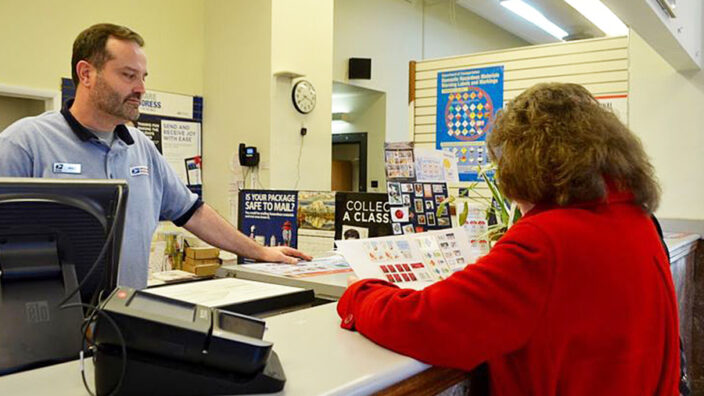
[{"x": 555, "y": 144}]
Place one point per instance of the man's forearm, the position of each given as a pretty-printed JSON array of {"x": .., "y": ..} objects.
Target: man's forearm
[{"x": 212, "y": 228}]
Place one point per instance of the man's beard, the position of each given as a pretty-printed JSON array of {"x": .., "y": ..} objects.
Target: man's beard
[{"x": 109, "y": 101}]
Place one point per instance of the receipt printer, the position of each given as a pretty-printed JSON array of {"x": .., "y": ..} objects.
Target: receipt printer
[{"x": 178, "y": 348}]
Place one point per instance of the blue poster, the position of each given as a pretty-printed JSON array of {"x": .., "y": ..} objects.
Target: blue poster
[
  {"x": 269, "y": 216},
  {"x": 467, "y": 102}
]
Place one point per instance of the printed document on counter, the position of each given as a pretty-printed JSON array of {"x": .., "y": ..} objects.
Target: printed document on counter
[{"x": 222, "y": 292}]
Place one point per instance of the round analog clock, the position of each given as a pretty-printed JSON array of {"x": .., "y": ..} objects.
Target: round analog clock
[{"x": 303, "y": 96}]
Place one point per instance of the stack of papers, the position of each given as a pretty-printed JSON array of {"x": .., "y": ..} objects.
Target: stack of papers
[{"x": 318, "y": 266}]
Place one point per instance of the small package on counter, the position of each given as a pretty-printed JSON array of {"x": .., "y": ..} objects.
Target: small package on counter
[
  {"x": 201, "y": 269},
  {"x": 192, "y": 262},
  {"x": 202, "y": 252}
]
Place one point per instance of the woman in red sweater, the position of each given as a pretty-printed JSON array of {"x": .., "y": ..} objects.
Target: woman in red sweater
[{"x": 576, "y": 298}]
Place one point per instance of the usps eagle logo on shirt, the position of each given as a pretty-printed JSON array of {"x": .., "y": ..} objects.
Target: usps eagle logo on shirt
[
  {"x": 64, "y": 167},
  {"x": 139, "y": 170}
]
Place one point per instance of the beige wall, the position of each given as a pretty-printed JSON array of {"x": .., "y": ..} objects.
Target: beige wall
[
  {"x": 246, "y": 43},
  {"x": 666, "y": 109},
  {"x": 451, "y": 31},
  {"x": 236, "y": 94},
  {"x": 41, "y": 32},
  {"x": 12, "y": 109},
  {"x": 301, "y": 42},
  {"x": 679, "y": 40},
  {"x": 394, "y": 32}
]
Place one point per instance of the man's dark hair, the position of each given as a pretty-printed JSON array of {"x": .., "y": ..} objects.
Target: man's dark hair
[{"x": 90, "y": 45}]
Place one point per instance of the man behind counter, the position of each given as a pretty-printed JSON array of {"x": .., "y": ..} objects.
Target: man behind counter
[{"x": 88, "y": 138}]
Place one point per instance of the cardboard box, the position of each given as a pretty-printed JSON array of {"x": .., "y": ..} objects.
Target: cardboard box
[
  {"x": 202, "y": 252},
  {"x": 201, "y": 270},
  {"x": 193, "y": 262}
]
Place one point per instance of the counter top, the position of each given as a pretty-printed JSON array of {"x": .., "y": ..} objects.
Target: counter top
[
  {"x": 680, "y": 244},
  {"x": 318, "y": 357},
  {"x": 334, "y": 285},
  {"x": 329, "y": 286}
]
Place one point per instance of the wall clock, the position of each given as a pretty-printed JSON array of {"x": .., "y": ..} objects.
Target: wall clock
[{"x": 304, "y": 96}]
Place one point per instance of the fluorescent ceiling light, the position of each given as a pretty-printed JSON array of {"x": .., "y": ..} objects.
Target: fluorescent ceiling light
[
  {"x": 600, "y": 15},
  {"x": 534, "y": 16}
]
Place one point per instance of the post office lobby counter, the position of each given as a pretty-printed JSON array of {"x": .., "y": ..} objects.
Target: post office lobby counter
[
  {"x": 332, "y": 286},
  {"x": 328, "y": 286},
  {"x": 318, "y": 357}
]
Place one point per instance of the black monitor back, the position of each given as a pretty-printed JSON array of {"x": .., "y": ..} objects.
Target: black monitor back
[{"x": 51, "y": 233}]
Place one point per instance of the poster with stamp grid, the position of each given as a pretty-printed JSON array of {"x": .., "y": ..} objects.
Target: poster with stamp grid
[
  {"x": 413, "y": 204},
  {"x": 398, "y": 160},
  {"x": 467, "y": 102},
  {"x": 435, "y": 166},
  {"x": 409, "y": 261}
]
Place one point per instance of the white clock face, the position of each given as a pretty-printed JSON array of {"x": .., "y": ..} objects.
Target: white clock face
[{"x": 304, "y": 96}]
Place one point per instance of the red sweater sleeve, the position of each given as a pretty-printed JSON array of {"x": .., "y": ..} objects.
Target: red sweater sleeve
[{"x": 489, "y": 308}]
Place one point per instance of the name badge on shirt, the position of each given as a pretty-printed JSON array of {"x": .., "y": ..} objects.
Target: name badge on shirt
[
  {"x": 64, "y": 167},
  {"x": 139, "y": 171}
]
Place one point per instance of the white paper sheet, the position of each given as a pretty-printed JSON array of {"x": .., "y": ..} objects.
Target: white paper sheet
[
  {"x": 219, "y": 292},
  {"x": 412, "y": 260},
  {"x": 318, "y": 266},
  {"x": 449, "y": 164},
  {"x": 435, "y": 166},
  {"x": 429, "y": 165}
]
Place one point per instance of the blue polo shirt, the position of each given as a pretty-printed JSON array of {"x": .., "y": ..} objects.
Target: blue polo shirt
[{"x": 56, "y": 145}]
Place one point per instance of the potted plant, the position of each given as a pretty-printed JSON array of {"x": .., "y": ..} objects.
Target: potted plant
[{"x": 501, "y": 213}]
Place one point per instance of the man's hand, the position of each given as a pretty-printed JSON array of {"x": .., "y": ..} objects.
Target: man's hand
[
  {"x": 209, "y": 226},
  {"x": 283, "y": 254}
]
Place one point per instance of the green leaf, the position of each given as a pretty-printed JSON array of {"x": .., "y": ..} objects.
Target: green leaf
[{"x": 464, "y": 214}]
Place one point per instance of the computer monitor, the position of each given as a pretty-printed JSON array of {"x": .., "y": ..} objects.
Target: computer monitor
[{"x": 52, "y": 234}]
